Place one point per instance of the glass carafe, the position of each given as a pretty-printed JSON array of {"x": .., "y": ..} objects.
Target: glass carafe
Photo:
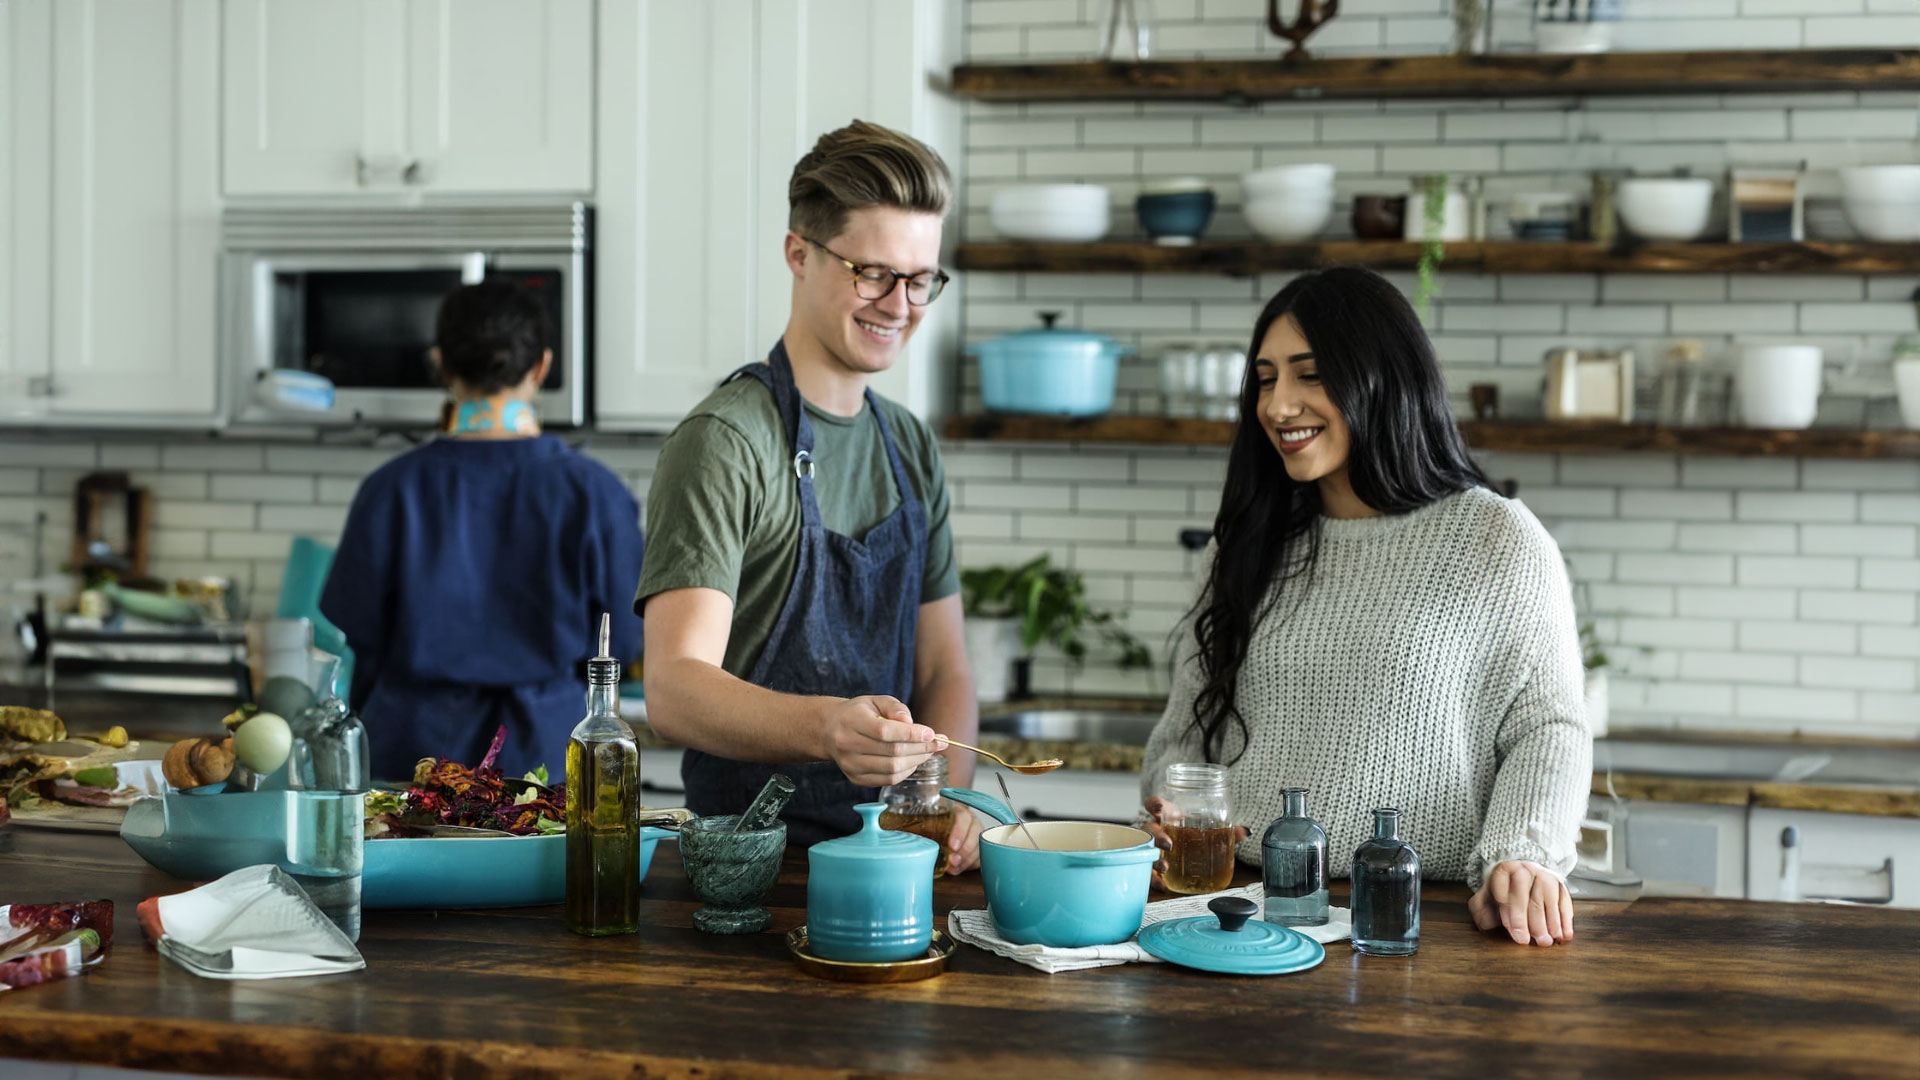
[
  {"x": 1293, "y": 856},
  {"x": 1197, "y": 821},
  {"x": 328, "y": 766},
  {"x": 1386, "y": 891}
]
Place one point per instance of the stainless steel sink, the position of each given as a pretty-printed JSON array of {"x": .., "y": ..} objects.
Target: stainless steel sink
[{"x": 1075, "y": 725}]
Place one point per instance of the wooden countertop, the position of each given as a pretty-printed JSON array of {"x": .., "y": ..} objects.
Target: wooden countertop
[{"x": 1656, "y": 987}]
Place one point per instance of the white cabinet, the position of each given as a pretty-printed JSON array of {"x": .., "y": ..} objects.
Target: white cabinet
[
  {"x": 1687, "y": 849},
  {"x": 26, "y": 356},
  {"x": 379, "y": 96},
  {"x": 1873, "y": 860},
  {"x": 705, "y": 108},
  {"x": 112, "y": 252}
]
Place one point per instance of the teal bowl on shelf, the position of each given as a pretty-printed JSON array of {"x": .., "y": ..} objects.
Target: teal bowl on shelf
[
  {"x": 1174, "y": 218},
  {"x": 1086, "y": 885}
]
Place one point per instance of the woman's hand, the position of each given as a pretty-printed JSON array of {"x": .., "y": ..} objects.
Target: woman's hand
[
  {"x": 1530, "y": 903},
  {"x": 1158, "y": 830},
  {"x": 963, "y": 843}
]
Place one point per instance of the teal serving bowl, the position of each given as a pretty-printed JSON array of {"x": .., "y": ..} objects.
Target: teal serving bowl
[
  {"x": 474, "y": 871},
  {"x": 1085, "y": 885}
]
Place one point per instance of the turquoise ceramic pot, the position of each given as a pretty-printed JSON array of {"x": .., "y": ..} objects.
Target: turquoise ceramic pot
[
  {"x": 870, "y": 895},
  {"x": 1086, "y": 886},
  {"x": 1049, "y": 372}
]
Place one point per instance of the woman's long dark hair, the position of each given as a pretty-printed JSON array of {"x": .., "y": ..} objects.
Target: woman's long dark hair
[{"x": 1379, "y": 371}]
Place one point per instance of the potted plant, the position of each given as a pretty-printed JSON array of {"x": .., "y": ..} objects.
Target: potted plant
[
  {"x": 1011, "y": 610},
  {"x": 1593, "y": 659}
]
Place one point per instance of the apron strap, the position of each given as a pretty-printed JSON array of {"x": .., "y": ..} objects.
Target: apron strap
[{"x": 777, "y": 375}]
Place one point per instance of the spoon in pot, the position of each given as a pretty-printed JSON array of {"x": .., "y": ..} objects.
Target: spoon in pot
[
  {"x": 1034, "y": 768},
  {"x": 1017, "y": 820}
]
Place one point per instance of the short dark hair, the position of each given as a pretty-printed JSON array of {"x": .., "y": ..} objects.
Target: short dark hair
[
  {"x": 490, "y": 335},
  {"x": 863, "y": 165}
]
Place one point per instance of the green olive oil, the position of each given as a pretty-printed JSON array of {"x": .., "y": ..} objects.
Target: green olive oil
[{"x": 603, "y": 809}]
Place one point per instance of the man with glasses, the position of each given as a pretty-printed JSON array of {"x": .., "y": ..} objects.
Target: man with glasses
[{"x": 801, "y": 600}]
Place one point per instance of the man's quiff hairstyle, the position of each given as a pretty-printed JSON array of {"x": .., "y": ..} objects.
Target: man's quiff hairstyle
[{"x": 859, "y": 166}]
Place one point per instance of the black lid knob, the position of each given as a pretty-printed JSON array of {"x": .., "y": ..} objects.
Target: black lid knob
[
  {"x": 1048, "y": 318},
  {"x": 1233, "y": 911}
]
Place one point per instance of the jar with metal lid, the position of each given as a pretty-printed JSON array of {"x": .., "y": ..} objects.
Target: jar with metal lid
[
  {"x": 914, "y": 805},
  {"x": 1198, "y": 821}
]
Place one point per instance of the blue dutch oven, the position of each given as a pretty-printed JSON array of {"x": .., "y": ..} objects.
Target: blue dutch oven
[
  {"x": 1087, "y": 885},
  {"x": 1049, "y": 371}
]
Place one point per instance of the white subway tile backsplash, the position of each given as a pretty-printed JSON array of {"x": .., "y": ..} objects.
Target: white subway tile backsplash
[
  {"x": 1799, "y": 506},
  {"x": 1257, "y": 130},
  {"x": 1036, "y": 465},
  {"x": 1796, "y": 704},
  {"x": 1733, "y": 319},
  {"x": 1780, "y": 635},
  {"x": 1663, "y": 288},
  {"x": 230, "y": 457},
  {"x": 1890, "y": 641},
  {"x": 1613, "y": 469},
  {"x": 322, "y": 522},
  {"x": 251, "y": 545},
  {"x": 1652, "y": 600},
  {"x": 1901, "y": 712},
  {"x": 1724, "y": 602},
  {"x": 1021, "y": 12},
  {"x": 1033, "y": 525},
  {"x": 1141, "y": 500},
  {"x": 1851, "y": 673},
  {"x": 1897, "y": 541},
  {"x": 1860, "y": 318},
  {"x": 1820, "y": 473},
  {"x": 1586, "y": 535},
  {"x": 1890, "y": 573},
  {"x": 188, "y": 514},
  {"x": 1657, "y": 569},
  {"x": 126, "y": 455},
  {"x": 1869, "y": 31},
  {"x": 1857, "y": 606},
  {"x": 1566, "y": 502},
  {"x": 1139, "y": 131},
  {"x": 1675, "y": 633},
  {"x": 1774, "y": 571},
  {"x": 1160, "y": 560},
  {"x": 22, "y": 452},
  {"x": 1714, "y": 472},
  {"x": 1902, "y": 508},
  {"x": 1737, "y": 667},
  {"x": 1677, "y": 505},
  {"x": 991, "y": 495},
  {"x": 259, "y": 487},
  {"x": 1383, "y": 128},
  {"x": 1711, "y": 699}
]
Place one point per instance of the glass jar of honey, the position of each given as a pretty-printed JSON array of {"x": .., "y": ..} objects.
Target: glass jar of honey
[
  {"x": 914, "y": 805},
  {"x": 1199, "y": 823}
]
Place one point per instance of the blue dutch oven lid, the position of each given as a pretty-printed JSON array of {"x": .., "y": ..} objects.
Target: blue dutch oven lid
[
  {"x": 872, "y": 841},
  {"x": 1228, "y": 943},
  {"x": 1049, "y": 337}
]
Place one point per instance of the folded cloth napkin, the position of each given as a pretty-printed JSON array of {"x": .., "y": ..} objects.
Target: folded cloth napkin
[
  {"x": 255, "y": 923},
  {"x": 976, "y": 928}
]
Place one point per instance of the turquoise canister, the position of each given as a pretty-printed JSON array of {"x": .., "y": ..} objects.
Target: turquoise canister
[{"x": 870, "y": 895}]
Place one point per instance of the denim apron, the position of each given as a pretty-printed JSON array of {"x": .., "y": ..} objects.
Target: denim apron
[{"x": 846, "y": 630}]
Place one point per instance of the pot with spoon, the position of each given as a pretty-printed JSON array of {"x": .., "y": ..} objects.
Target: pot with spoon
[{"x": 1085, "y": 883}]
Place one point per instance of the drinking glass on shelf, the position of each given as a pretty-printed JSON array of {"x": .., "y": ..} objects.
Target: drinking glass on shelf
[
  {"x": 1180, "y": 380},
  {"x": 1222, "y": 367}
]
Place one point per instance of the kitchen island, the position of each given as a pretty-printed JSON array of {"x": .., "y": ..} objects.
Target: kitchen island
[{"x": 1655, "y": 987}]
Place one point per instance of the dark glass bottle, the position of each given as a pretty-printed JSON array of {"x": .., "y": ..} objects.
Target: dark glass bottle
[
  {"x": 1386, "y": 891},
  {"x": 1293, "y": 854}
]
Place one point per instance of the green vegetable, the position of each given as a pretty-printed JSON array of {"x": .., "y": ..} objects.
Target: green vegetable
[
  {"x": 102, "y": 777},
  {"x": 548, "y": 825},
  {"x": 538, "y": 776}
]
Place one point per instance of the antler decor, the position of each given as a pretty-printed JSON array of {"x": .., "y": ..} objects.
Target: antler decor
[{"x": 1312, "y": 16}]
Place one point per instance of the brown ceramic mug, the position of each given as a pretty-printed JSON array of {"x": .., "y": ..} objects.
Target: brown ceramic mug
[{"x": 1379, "y": 217}]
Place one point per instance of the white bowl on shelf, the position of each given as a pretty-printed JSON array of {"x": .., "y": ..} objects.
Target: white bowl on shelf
[
  {"x": 1665, "y": 208},
  {"x": 1886, "y": 222},
  {"x": 1572, "y": 37},
  {"x": 1880, "y": 183},
  {"x": 1287, "y": 219},
  {"x": 1779, "y": 385},
  {"x": 1060, "y": 213},
  {"x": 1309, "y": 176}
]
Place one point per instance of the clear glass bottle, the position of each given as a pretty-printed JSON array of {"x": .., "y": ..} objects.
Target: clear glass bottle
[
  {"x": 329, "y": 750},
  {"x": 1198, "y": 821},
  {"x": 1293, "y": 856},
  {"x": 603, "y": 808},
  {"x": 328, "y": 765},
  {"x": 1386, "y": 891},
  {"x": 914, "y": 805}
]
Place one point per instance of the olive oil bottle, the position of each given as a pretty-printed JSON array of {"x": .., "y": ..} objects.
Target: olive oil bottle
[{"x": 603, "y": 808}]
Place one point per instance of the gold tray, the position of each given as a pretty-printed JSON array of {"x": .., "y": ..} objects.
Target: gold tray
[{"x": 922, "y": 967}]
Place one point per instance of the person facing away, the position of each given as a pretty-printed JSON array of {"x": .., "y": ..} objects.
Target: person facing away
[
  {"x": 473, "y": 569},
  {"x": 1377, "y": 625},
  {"x": 800, "y": 592}
]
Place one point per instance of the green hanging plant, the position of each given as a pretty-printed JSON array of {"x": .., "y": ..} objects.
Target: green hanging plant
[{"x": 1434, "y": 249}]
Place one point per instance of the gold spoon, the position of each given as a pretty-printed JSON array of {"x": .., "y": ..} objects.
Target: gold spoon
[{"x": 1037, "y": 767}]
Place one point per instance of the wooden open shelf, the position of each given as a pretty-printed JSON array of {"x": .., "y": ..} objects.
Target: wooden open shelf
[
  {"x": 1525, "y": 437},
  {"x": 1246, "y": 257},
  {"x": 1491, "y": 76}
]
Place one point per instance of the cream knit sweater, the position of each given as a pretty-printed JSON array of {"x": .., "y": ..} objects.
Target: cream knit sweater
[{"x": 1429, "y": 662}]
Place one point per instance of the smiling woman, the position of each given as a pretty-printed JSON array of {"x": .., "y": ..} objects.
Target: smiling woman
[{"x": 1376, "y": 624}]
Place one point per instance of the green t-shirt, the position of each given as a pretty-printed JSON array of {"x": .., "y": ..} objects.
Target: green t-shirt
[{"x": 724, "y": 510}]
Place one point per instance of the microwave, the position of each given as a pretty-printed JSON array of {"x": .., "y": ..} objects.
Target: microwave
[{"x": 351, "y": 295}]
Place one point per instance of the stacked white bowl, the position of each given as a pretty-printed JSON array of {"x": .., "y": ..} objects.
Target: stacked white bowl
[
  {"x": 1883, "y": 201},
  {"x": 1289, "y": 202},
  {"x": 1071, "y": 213},
  {"x": 1665, "y": 208}
]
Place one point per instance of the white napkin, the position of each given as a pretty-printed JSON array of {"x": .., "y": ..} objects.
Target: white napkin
[
  {"x": 255, "y": 923},
  {"x": 975, "y": 927}
]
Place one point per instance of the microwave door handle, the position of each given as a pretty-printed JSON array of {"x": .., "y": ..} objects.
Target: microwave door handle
[{"x": 473, "y": 268}]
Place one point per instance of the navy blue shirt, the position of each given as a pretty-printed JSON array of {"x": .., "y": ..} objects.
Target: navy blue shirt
[{"x": 469, "y": 583}]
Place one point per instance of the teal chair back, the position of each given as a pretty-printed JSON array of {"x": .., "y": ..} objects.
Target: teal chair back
[{"x": 308, "y": 562}]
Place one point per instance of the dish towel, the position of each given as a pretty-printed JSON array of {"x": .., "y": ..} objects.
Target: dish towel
[
  {"x": 975, "y": 928},
  {"x": 255, "y": 923}
]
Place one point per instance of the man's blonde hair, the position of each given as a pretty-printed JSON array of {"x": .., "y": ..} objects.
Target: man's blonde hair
[{"x": 859, "y": 166}]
